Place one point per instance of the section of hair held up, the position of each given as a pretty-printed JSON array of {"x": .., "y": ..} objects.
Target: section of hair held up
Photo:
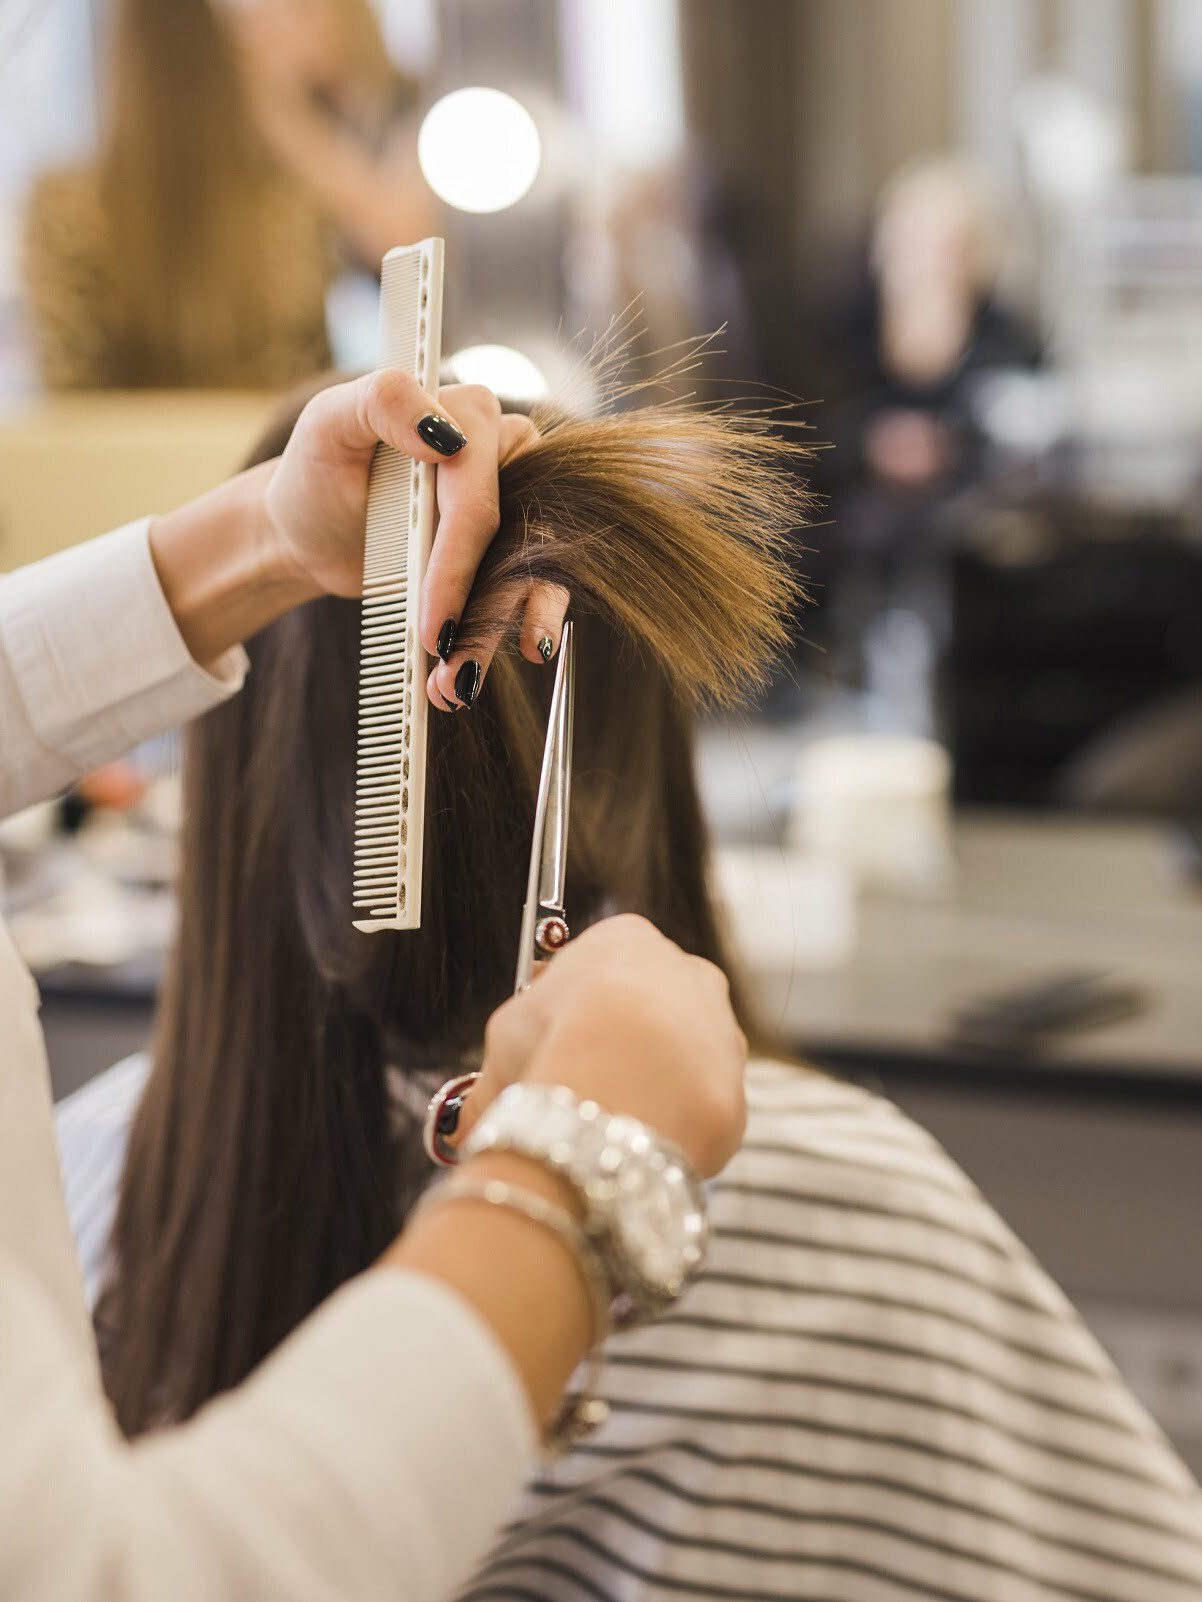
[{"x": 674, "y": 521}]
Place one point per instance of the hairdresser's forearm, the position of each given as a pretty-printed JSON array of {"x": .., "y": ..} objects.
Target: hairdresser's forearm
[
  {"x": 223, "y": 569},
  {"x": 517, "y": 1275},
  {"x": 374, "y": 203}
]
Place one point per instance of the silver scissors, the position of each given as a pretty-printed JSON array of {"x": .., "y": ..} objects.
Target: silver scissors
[{"x": 544, "y": 924}]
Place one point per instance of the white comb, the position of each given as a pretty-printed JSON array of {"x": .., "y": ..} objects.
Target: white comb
[{"x": 390, "y": 770}]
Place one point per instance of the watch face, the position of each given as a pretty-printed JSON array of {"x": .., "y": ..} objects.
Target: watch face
[{"x": 658, "y": 1226}]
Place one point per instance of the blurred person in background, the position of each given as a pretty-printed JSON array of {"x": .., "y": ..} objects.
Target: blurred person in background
[
  {"x": 908, "y": 354},
  {"x": 250, "y": 149}
]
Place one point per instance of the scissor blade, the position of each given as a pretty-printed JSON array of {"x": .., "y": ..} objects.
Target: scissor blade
[
  {"x": 554, "y": 869},
  {"x": 548, "y": 851}
]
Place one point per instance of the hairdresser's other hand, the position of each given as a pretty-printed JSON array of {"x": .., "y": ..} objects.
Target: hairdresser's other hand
[
  {"x": 287, "y": 49},
  {"x": 906, "y": 448},
  {"x": 625, "y": 1018},
  {"x": 317, "y": 506}
]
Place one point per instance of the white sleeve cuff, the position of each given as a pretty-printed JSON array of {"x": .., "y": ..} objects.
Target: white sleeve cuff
[{"x": 97, "y": 656}]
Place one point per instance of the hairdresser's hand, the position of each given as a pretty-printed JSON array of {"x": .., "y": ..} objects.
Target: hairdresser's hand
[
  {"x": 317, "y": 506},
  {"x": 287, "y": 49},
  {"x": 623, "y": 1017}
]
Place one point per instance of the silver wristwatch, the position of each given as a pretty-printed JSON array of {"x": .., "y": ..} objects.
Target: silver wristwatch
[{"x": 644, "y": 1208}]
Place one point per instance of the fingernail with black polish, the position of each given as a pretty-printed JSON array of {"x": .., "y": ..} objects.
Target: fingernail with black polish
[
  {"x": 446, "y": 638},
  {"x": 546, "y": 647},
  {"x": 467, "y": 682},
  {"x": 441, "y": 434},
  {"x": 448, "y": 1119}
]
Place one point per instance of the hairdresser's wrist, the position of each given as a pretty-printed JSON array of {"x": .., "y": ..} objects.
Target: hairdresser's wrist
[
  {"x": 527, "y": 1172},
  {"x": 515, "y": 1274},
  {"x": 280, "y": 567},
  {"x": 224, "y": 568}
]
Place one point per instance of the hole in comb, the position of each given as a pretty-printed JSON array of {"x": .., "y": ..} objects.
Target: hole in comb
[
  {"x": 404, "y": 831},
  {"x": 400, "y": 900},
  {"x": 405, "y": 799},
  {"x": 405, "y": 768}
]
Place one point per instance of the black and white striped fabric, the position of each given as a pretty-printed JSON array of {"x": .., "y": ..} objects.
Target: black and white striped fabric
[{"x": 873, "y": 1395}]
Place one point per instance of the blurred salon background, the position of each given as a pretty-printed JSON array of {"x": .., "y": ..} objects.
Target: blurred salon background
[{"x": 959, "y": 242}]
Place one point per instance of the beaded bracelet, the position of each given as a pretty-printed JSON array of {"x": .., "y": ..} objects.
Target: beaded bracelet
[{"x": 582, "y": 1411}]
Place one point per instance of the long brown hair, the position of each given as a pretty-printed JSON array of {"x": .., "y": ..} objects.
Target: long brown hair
[
  {"x": 267, "y": 1161},
  {"x": 181, "y": 171}
]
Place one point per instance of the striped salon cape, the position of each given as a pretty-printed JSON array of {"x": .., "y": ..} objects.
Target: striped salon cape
[{"x": 874, "y": 1394}]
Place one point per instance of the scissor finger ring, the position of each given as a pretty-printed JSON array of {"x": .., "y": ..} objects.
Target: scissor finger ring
[{"x": 442, "y": 1119}]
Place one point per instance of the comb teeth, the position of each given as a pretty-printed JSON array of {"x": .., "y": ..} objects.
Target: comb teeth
[{"x": 390, "y": 773}]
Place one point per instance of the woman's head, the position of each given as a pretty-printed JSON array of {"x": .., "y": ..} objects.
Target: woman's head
[
  {"x": 935, "y": 225},
  {"x": 267, "y": 1163}
]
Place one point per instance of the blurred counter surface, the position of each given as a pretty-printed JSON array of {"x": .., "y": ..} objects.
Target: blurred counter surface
[
  {"x": 1033, "y": 898},
  {"x": 73, "y": 466},
  {"x": 1030, "y": 898}
]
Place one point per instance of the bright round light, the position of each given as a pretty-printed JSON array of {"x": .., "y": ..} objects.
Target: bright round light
[
  {"x": 479, "y": 149},
  {"x": 500, "y": 368}
]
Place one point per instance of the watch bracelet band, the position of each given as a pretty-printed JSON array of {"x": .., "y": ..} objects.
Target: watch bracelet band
[
  {"x": 582, "y": 1410},
  {"x": 500, "y": 1131}
]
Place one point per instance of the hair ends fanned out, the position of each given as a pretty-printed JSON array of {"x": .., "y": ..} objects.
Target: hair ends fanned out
[{"x": 674, "y": 523}]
